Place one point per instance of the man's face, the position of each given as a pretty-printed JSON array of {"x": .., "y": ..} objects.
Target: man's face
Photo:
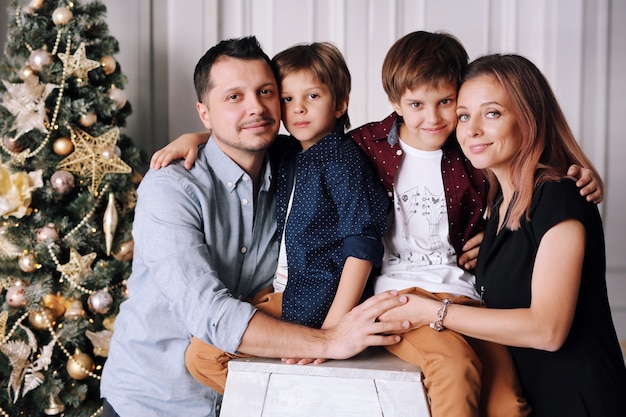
[{"x": 243, "y": 107}]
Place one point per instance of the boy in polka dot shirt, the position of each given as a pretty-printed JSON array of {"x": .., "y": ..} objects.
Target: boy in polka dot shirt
[{"x": 438, "y": 202}]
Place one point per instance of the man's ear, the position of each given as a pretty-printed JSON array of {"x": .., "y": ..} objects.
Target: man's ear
[{"x": 203, "y": 112}]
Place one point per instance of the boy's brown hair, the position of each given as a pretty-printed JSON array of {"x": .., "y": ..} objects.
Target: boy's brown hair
[
  {"x": 327, "y": 65},
  {"x": 423, "y": 58}
]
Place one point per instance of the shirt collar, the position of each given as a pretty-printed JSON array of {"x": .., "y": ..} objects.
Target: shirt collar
[
  {"x": 228, "y": 172},
  {"x": 393, "y": 138}
]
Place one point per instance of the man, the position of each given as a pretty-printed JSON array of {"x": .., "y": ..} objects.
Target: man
[{"x": 204, "y": 243}]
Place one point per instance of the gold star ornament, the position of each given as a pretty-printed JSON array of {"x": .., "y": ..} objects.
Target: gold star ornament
[
  {"x": 27, "y": 102},
  {"x": 77, "y": 266},
  {"x": 78, "y": 64},
  {"x": 94, "y": 157}
]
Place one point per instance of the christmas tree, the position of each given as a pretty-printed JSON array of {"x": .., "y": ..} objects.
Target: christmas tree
[{"x": 68, "y": 180}]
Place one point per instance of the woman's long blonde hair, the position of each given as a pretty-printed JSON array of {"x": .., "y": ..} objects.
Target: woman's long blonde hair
[{"x": 548, "y": 146}]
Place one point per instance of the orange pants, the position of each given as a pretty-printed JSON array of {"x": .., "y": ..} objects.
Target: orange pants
[
  {"x": 463, "y": 376},
  {"x": 209, "y": 364}
]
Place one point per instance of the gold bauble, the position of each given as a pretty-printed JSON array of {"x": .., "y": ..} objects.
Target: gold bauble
[
  {"x": 75, "y": 310},
  {"x": 35, "y": 4},
  {"x": 55, "y": 303},
  {"x": 54, "y": 407},
  {"x": 37, "y": 319},
  {"x": 109, "y": 322},
  {"x": 87, "y": 119},
  {"x": 26, "y": 71},
  {"x": 27, "y": 262},
  {"x": 79, "y": 365},
  {"x": 125, "y": 254},
  {"x": 108, "y": 64},
  {"x": 63, "y": 146}
]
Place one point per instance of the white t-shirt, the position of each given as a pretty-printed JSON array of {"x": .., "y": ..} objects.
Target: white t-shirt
[
  {"x": 418, "y": 252},
  {"x": 282, "y": 271}
]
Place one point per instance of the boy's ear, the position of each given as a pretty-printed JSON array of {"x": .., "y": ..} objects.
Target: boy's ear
[
  {"x": 203, "y": 112},
  {"x": 396, "y": 107},
  {"x": 341, "y": 108}
]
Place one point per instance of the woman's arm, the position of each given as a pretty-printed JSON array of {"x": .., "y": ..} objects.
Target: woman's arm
[
  {"x": 545, "y": 324},
  {"x": 184, "y": 146}
]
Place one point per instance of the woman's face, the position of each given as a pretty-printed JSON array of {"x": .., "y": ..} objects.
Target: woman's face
[{"x": 487, "y": 128}]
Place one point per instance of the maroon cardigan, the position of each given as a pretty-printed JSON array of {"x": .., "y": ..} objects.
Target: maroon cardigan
[{"x": 465, "y": 187}]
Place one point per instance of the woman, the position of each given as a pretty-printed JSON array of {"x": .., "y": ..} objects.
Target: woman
[{"x": 541, "y": 266}]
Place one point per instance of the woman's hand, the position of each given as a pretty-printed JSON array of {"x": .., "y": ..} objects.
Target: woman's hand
[{"x": 416, "y": 310}]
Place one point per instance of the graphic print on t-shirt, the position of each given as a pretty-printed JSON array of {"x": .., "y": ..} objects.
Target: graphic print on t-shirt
[{"x": 425, "y": 211}]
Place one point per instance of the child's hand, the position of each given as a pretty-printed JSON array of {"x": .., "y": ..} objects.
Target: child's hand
[
  {"x": 468, "y": 258},
  {"x": 292, "y": 361},
  {"x": 185, "y": 146},
  {"x": 590, "y": 187}
]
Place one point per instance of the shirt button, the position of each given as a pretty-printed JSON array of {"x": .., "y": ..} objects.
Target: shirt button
[
  {"x": 244, "y": 249},
  {"x": 245, "y": 178},
  {"x": 230, "y": 184},
  {"x": 399, "y": 152},
  {"x": 245, "y": 201}
]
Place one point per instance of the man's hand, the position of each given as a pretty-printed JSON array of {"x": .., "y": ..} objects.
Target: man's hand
[{"x": 360, "y": 328}]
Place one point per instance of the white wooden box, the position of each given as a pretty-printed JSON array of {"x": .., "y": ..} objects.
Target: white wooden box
[{"x": 372, "y": 384}]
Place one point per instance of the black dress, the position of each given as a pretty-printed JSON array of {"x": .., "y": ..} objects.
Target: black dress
[{"x": 587, "y": 376}]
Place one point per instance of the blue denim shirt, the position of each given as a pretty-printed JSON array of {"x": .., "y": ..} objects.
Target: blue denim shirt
[{"x": 199, "y": 250}]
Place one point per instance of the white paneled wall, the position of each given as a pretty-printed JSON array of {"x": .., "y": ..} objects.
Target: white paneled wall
[{"x": 578, "y": 44}]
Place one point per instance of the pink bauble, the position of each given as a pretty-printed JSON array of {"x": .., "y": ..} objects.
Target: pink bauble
[
  {"x": 62, "y": 16},
  {"x": 100, "y": 302},
  {"x": 118, "y": 96},
  {"x": 62, "y": 181},
  {"x": 48, "y": 233},
  {"x": 16, "y": 295},
  {"x": 12, "y": 144},
  {"x": 39, "y": 59}
]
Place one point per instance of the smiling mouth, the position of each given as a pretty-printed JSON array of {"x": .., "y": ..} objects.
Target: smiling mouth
[
  {"x": 478, "y": 148},
  {"x": 434, "y": 130},
  {"x": 255, "y": 125}
]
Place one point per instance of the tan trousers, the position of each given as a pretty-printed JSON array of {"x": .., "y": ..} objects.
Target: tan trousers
[
  {"x": 209, "y": 364},
  {"x": 463, "y": 376}
]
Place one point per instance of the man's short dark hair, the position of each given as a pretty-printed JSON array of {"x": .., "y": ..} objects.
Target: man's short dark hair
[{"x": 241, "y": 48}]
